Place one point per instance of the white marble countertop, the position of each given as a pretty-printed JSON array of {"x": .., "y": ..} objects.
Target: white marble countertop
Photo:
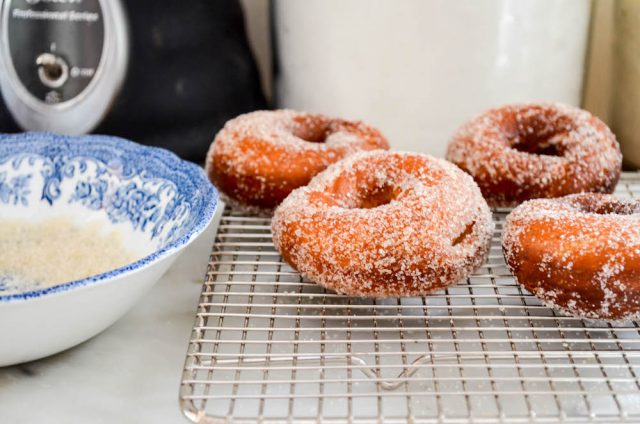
[{"x": 128, "y": 374}]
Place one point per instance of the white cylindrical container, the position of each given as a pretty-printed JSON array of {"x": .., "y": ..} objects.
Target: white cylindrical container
[{"x": 417, "y": 69}]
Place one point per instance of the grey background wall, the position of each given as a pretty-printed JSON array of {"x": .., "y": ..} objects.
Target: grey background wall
[
  {"x": 256, "y": 14},
  {"x": 598, "y": 84}
]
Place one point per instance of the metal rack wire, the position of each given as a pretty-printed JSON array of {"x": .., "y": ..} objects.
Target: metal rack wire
[{"x": 268, "y": 346}]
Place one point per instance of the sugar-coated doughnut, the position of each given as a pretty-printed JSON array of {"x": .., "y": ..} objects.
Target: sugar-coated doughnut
[
  {"x": 385, "y": 224},
  {"x": 527, "y": 151},
  {"x": 258, "y": 158},
  {"x": 579, "y": 254}
]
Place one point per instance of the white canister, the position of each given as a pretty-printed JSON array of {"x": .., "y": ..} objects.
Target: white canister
[{"x": 417, "y": 69}]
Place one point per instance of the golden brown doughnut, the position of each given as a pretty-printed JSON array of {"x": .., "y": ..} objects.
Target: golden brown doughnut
[
  {"x": 258, "y": 158},
  {"x": 382, "y": 224},
  {"x": 579, "y": 254},
  {"x": 527, "y": 151}
]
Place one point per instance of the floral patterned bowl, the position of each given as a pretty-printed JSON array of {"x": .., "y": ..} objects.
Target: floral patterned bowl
[{"x": 156, "y": 201}]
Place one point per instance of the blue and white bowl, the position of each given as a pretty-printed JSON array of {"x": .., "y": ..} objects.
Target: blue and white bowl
[{"x": 157, "y": 202}]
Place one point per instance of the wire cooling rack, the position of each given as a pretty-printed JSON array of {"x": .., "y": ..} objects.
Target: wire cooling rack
[{"x": 269, "y": 346}]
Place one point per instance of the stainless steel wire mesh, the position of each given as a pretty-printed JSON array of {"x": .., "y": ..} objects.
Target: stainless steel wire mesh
[{"x": 269, "y": 346}]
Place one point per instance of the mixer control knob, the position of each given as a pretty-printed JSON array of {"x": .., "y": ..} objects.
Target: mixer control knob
[{"x": 53, "y": 71}]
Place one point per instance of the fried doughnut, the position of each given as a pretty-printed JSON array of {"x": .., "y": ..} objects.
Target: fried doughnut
[
  {"x": 528, "y": 151},
  {"x": 579, "y": 254},
  {"x": 258, "y": 158},
  {"x": 385, "y": 224}
]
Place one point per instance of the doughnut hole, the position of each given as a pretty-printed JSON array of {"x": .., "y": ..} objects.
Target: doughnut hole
[
  {"x": 537, "y": 147},
  {"x": 377, "y": 197},
  {"x": 364, "y": 192},
  {"x": 537, "y": 131},
  {"x": 612, "y": 208},
  {"x": 319, "y": 129},
  {"x": 314, "y": 130},
  {"x": 604, "y": 205}
]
